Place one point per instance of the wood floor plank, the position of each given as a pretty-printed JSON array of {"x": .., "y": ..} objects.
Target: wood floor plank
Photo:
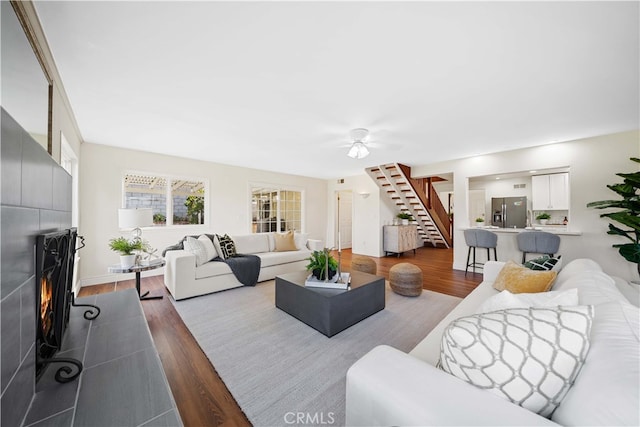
[{"x": 201, "y": 396}]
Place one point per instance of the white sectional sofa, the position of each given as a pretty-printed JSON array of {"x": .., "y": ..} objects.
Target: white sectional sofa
[
  {"x": 389, "y": 387},
  {"x": 185, "y": 280}
]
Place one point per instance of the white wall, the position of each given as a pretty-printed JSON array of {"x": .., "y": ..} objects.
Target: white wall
[
  {"x": 101, "y": 171},
  {"x": 593, "y": 164}
]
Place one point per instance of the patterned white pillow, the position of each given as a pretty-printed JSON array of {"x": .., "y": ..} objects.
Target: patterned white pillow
[
  {"x": 529, "y": 356},
  {"x": 197, "y": 248}
]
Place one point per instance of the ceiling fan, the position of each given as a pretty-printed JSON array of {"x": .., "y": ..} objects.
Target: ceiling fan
[{"x": 358, "y": 148}]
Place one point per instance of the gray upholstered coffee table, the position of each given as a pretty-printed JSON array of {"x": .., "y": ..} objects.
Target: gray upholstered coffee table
[{"x": 330, "y": 311}]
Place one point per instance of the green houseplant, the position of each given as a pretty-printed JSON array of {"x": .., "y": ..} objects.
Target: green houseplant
[
  {"x": 627, "y": 214},
  {"x": 543, "y": 217},
  {"x": 405, "y": 217},
  {"x": 318, "y": 263},
  {"x": 126, "y": 248},
  {"x": 479, "y": 221}
]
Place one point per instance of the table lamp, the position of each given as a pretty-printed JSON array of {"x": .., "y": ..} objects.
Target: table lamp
[{"x": 135, "y": 218}]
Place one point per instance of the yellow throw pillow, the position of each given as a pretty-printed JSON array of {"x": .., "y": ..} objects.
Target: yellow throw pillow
[
  {"x": 518, "y": 279},
  {"x": 285, "y": 242}
]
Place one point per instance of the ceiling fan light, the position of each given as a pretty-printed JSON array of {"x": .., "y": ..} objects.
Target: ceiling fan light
[
  {"x": 360, "y": 134},
  {"x": 358, "y": 151}
]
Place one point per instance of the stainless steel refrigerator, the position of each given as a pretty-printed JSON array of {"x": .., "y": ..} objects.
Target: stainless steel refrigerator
[{"x": 509, "y": 212}]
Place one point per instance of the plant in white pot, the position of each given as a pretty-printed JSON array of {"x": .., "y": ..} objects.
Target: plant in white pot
[
  {"x": 405, "y": 217},
  {"x": 126, "y": 248},
  {"x": 480, "y": 222},
  {"x": 543, "y": 218}
]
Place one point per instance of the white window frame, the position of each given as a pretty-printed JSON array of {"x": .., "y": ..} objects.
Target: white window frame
[
  {"x": 277, "y": 188},
  {"x": 168, "y": 196}
]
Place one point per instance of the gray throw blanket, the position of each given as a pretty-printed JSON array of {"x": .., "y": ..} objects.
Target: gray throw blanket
[{"x": 245, "y": 267}]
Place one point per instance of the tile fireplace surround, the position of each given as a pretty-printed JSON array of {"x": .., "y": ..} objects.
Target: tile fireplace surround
[{"x": 36, "y": 199}]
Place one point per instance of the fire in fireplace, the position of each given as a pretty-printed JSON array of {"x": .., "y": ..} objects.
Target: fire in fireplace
[
  {"x": 55, "y": 254},
  {"x": 46, "y": 305}
]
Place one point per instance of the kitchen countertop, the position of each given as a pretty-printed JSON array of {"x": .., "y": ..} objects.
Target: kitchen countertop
[{"x": 555, "y": 229}]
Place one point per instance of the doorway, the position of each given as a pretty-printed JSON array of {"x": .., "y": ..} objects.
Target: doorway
[{"x": 344, "y": 219}]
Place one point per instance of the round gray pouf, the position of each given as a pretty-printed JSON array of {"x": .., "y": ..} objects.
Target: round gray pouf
[
  {"x": 364, "y": 264},
  {"x": 406, "y": 279}
]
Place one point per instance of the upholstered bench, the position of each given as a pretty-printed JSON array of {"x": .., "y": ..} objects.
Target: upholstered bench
[{"x": 406, "y": 279}]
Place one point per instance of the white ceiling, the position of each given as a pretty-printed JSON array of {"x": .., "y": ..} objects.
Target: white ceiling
[{"x": 278, "y": 85}]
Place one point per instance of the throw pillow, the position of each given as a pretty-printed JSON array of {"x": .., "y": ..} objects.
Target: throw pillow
[
  {"x": 208, "y": 246},
  {"x": 285, "y": 242},
  {"x": 529, "y": 356},
  {"x": 545, "y": 263},
  {"x": 577, "y": 266},
  {"x": 225, "y": 246},
  {"x": 594, "y": 287},
  {"x": 518, "y": 279},
  {"x": 197, "y": 248},
  {"x": 506, "y": 299},
  {"x": 606, "y": 392}
]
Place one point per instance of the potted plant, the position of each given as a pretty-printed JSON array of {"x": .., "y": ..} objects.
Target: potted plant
[
  {"x": 405, "y": 217},
  {"x": 126, "y": 250},
  {"x": 480, "y": 222},
  {"x": 627, "y": 214},
  {"x": 543, "y": 218},
  {"x": 319, "y": 262}
]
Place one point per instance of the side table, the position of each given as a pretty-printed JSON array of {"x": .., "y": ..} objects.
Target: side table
[{"x": 117, "y": 268}]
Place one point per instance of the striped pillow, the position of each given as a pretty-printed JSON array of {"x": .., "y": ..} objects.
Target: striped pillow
[{"x": 545, "y": 263}]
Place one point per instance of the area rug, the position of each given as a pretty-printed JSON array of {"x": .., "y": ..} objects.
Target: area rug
[{"x": 283, "y": 372}]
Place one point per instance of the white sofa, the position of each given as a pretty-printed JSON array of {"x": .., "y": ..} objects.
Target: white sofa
[
  {"x": 388, "y": 387},
  {"x": 185, "y": 280}
]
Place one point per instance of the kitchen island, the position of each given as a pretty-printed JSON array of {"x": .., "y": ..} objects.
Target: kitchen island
[{"x": 507, "y": 246}]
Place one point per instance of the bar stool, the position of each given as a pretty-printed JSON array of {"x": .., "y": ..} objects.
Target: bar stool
[
  {"x": 537, "y": 242},
  {"x": 479, "y": 238}
]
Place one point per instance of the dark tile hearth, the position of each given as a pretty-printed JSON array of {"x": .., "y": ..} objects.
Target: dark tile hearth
[{"x": 123, "y": 382}]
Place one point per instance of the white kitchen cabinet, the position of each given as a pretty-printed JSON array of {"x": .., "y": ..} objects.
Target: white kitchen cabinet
[
  {"x": 550, "y": 192},
  {"x": 400, "y": 238}
]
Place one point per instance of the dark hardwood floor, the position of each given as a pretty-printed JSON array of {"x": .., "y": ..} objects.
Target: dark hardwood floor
[{"x": 201, "y": 396}]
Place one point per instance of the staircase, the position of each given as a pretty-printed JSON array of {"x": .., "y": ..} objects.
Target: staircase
[{"x": 416, "y": 197}]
